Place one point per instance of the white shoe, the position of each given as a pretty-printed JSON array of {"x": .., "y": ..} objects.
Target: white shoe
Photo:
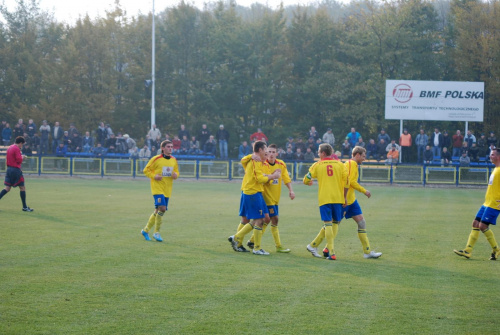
[
  {"x": 372, "y": 254},
  {"x": 260, "y": 252},
  {"x": 313, "y": 251},
  {"x": 157, "y": 237}
]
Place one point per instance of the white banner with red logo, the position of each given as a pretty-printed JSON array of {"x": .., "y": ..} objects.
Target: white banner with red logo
[{"x": 434, "y": 100}]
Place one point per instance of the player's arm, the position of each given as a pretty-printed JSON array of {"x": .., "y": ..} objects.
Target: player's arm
[
  {"x": 259, "y": 173},
  {"x": 353, "y": 181},
  {"x": 175, "y": 174},
  {"x": 149, "y": 170},
  {"x": 244, "y": 161},
  {"x": 308, "y": 178}
]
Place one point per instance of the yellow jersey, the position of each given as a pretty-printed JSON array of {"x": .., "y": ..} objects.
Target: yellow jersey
[
  {"x": 272, "y": 190},
  {"x": 254, "y": 178},
  {"x": 353, "y": 174},
  {"x": 332, "y": 179},
  {"x": 164, "y": 166},
  {"x": 492, "y": 196}
]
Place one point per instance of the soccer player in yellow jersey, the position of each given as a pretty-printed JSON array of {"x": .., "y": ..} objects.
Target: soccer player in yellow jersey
[
  {"x": 162, "y": 170},
  {"x": 272, "y": 195},
  {"x": 488, "y": 213},
  {"x": 333, "y": 186},
  {"x": 252, "y": 205},
  {"x": 353, "y": 210}
]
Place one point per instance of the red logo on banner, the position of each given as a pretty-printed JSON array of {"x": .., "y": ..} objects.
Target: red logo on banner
[{"x": 402, "y": 93}]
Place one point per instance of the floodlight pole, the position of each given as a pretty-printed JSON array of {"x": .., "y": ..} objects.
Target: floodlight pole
[{"x": 153, "y": 113}]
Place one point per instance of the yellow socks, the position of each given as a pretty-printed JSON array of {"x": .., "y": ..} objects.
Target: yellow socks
[
  {"x": 491, "y": 239},
  {"x": 241, "y": 225},
  {"x": 150, "y": 223},
  {"x": 158, "y": 219},
  {"x": 329, "y": 237},
  {"x": 276, "y": 236},
  {"x": 257, "y": 232},
  {"x": 242, "y": 232},
  {"x": 264, "y": 227},
  {"x": 317, "y": 241},
  {"x": 474, "y": 235},
  {"x": 363, "y": 238}
]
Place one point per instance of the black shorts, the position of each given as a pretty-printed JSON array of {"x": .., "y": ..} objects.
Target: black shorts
[{"x": 14, "y": 177}]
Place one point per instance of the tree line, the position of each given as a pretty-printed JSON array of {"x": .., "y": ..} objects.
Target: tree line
[{"x": 282, "y": 70}]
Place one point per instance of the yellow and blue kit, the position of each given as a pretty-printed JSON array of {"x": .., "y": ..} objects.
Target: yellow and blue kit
[
  {"x": 332, "y": 179},
  {"x": 488, "y": 213},
  {"x": 165, "y": 166}
]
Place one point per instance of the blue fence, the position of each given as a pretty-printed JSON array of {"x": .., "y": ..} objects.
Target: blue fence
[{"x": 232, "y": 169}]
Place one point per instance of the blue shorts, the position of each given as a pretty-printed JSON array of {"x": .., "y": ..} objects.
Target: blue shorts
[
  {"x": 487, "y": 215},
  {"x": 331, "y": 212},
  {"x": 253, "y": 206},
  {"x": 273, "y": 210},
  {"x": 352, "y": 210},
  {"x": 160, "y": 200},
  {"x": 14, "y": 177}
]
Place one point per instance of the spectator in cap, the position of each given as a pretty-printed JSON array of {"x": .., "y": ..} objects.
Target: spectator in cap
[
  {"x": 384, "y": 135},
  {"x": 492, "y": 139}
]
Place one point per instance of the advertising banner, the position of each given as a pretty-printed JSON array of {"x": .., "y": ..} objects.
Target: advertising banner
[{"x": 434, "y": 100}]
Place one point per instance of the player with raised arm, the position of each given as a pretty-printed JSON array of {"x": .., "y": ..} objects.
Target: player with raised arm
[
  {"x": 333, "y": 186},
  {"x": 162, "y": 170},
  {"x": 487, "y": 214},
  {"x": 252, "y": 204},
  {"x": 272, "y": 195},
  {"x": 14, "y": 176},
  {"x": 353, "y": 210}
]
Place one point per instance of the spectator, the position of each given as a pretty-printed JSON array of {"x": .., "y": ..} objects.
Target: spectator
[
  {"x": 144, "y": 156},
  {"x": 428, "y": 156},
  {"x": 464, "y": 160},
  {"x": 28, "y": 140},
  {"x": 492, "y": 139},
  {"x": 223, "y": 138},
  {"x": 313, "y": 133},
  {"x": 102, "y": 133},
  {"x": 289, "y": 155},
  {"x": 346, "y": 148},
  {"x": 65, "y": 139},
  {"x": 445, "y": 156},
  {"x": 299, "y": 156},
  {"x": 44, "y": 140},
  {"x": 130, "y": 144},
  {"x": 381, "y": 146},
  {"x": 6, "y": 134},
  {"x": 177, "y": 145},
  {"x": 99, "y": 151},
  {"x": 482, "y": 145},
  {"x": 156, "y": 143},
  {"x": 469, "y": 138},
  {"x": 300, "y": 145},
  {"x": 72, "y": 130},
  {"x": 210, "y": 146},
  {"x": 134, "y": 153},
  {"x": 371, "y": 149},
  {"x": 109, "y": 131},
  {"x": 87, "y": 142},
  {"x": 2, "y": 125},
  {"x": 474, "y": 153},
  {"x": 290, "y": 143},
  {"x": 183, "y": 132},
  {"x": 352, "y": 137},
  {"x": 328, "y": 137},
  {"x": 76, "y": 143},
  {"x": 35, "y": 142},
  {"x": 390, "y": 145},
  {"x": 383, "y": 135},
  {"x": 318, "y": 143},
  {"x": 311, "y": 144},
  {"x": 421, "y": 141},
  {"x": 465, "y": 147},
  {"x": 360, "y": 143},
  {"x": 185, "y": 145},
  {"x": 204, "y": 134},
  {"x": 392, "y": 155},
  {"x": 281, "y": 153},
  {"x": 194, "y": 146},
  {"x": 309, "y": 156},
  {"x": 61, "y": 150},
  {"x": 446, "y": 140},
  {"x": 457, "y": 141},
  {"x": 31, "y": 128},
  {"x": 57, "y": 135},
  {"x": 154, "y": 133},
  {"x": 258, "y": 136},
  {"x": 111, "y": 141},
  {"x": 244, "y": 150},
  {"x": 436, "y": 142},
  {"x": 121, "y": 144},
  {"x": 405, "y": 143},
  {"x": 18, "y": 130}
]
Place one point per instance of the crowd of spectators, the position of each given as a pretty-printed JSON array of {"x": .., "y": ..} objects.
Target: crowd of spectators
[{"x": 423, "y": 148}]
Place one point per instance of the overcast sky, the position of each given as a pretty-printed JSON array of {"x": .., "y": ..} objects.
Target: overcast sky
[{"x": 69, "y": 10}]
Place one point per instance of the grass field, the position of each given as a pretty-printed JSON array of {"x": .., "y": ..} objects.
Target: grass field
[{"x": 78, "y": 264}]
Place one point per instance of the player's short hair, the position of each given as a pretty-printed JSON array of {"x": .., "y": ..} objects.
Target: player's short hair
[
  {"x": 20, "y": 139},
  {"x": 326, "y": 149},
  {"x": 497, "y": 150},
  {"x": 358, "y": 150},
  {"x": 258, "y": 145},
  {"x": 164, "y": 143},
  {"x": 274, "y": 146}
]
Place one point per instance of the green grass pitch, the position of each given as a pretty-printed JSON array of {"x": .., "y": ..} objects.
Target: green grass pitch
[{"x": 79, "y": 265}]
